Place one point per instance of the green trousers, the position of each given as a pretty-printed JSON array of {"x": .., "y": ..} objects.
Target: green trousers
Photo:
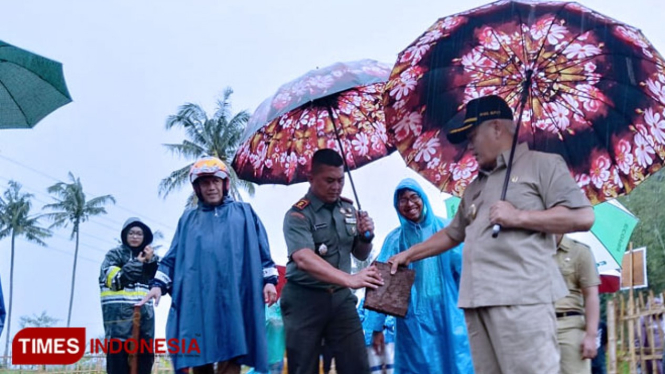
[{"x": 314, "y": 316}]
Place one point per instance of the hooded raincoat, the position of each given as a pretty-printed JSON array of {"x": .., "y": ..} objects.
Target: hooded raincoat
[
  {"x": 432, "y": 338},
  {"x": 124, "y": 281},
  {"x": 215, "y": 272}
]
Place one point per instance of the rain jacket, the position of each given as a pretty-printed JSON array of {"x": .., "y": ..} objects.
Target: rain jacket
[
  {"x": 124, "y": 281},
  {"x": 2, "y": 310},
  {"x": 215, "y": 271},
  {"x": 432, "y": 338}
]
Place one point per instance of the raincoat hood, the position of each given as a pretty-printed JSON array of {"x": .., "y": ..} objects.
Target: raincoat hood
[
  {"x": 147, "y": 234},
  {"x": 426, "y": 215}
]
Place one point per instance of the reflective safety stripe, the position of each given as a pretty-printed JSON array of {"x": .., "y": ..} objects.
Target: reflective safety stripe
[
  {"x": 113, "y": 270},
  {"x": 270, "y": 272},
  {"x": 160, "y": 276},
  {"x": 124, "y": 293},
  {"x": 132, "y": 295}
]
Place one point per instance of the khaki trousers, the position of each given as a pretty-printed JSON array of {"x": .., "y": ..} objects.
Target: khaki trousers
[
  {"x": 570, "y": 333},
  {"x": 517, "y": 339}
]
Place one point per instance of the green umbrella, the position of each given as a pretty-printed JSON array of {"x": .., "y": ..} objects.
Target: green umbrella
[
  {"x": 608, "y": 237},
  {"x": 31, "y": 87}
]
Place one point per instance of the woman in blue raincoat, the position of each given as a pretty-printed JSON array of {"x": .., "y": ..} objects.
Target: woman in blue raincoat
[{"x": 432, "y": 337}]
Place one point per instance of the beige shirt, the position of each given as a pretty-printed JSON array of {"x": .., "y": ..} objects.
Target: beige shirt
[
  {"x": 518, "y": 267},
  {"x": 578, "y": 267}
]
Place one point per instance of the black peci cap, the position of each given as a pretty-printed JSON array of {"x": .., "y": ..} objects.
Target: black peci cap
[{"x": 477, "y": 111}]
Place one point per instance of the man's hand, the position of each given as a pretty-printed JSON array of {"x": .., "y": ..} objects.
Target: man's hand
[
  {"x": 269, "y": 294},
  {"x": 367, "y": 277},
  {"x": 146, "y": 254},
  {"x": 401, "y": 258},
  {"x": 365, "y": 223},
  {"x": 378, "y": 342},
  {"x": 504, "y": 214},
  {"x": 589, "y": 349},
  {"x": 154, "y": 293}
]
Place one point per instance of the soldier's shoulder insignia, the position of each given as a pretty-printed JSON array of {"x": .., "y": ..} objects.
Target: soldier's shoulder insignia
[
  {"x": 346, "y": 200},
  {"x": 301, "y": 204}
]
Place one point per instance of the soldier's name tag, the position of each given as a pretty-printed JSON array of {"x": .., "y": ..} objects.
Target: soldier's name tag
[{"x": 320, "y": 226}]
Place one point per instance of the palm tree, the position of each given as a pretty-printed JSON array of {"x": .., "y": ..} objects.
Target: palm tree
[
  {"x": 218, "y": 136},
  {"x": 15, "y": 220},
  {"x": 42, "y": 320},
  {"x": 71, "y": 207}
]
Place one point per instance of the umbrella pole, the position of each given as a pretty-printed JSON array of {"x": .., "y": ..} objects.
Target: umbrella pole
[
  {"x": 346, "y": 166},
  {"x": 525, "y": 94},
  {"x": 367, "y": 234}
]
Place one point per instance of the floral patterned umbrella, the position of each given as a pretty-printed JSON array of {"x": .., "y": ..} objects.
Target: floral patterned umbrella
[
  {"x": 583, "y": 85},
  {"x": 336, "y": 107}
]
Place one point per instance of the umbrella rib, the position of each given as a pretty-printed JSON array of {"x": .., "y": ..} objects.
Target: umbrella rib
[
  {"x": 569, "y": 63},
  {"x": 9, "y": 92},
  {"x": 554, "y": 122},
  {"x": 574, "y": 39},
  {"x": 524, "y": 53},
  {"x": 511, "y": 87},
  {"x": 542, "y": 45},
  {"x": 486, "y": 72},
  {"x": 65, "y": 94},
  {"x": 621, "y": 114},
  {"x": 507, "y": 52}
]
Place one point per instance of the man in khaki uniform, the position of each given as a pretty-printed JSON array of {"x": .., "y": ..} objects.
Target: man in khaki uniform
[
  {"x": 577, "y": 314},
  {"x": 509, "y": 283},
  {"x": 322, "y": 231}
]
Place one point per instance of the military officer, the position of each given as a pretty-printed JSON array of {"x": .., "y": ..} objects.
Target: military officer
[{"x": 322, "y": 231}]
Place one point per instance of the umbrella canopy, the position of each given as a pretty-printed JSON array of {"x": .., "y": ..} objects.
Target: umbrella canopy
[
  {"x": 583, "y": 85},
  {"x": 31, "y": 87},
  {"x": 610, "y": 282},
  {"x": 336, "y": 107},
  {"x": 608, "y": 238}
]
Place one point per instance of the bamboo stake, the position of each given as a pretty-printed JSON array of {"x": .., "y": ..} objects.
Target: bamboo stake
[
  {"x": 641, "y": 320},
  {"x": 611, "y": 337},
  {"x": 631, "y": 313},
  {"x": 136, "y": 327}
]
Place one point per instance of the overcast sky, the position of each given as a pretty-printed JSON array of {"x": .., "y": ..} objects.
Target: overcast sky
[{"x": 130, "y": 64}]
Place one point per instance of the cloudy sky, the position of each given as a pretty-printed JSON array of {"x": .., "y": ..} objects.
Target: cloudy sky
[{"x": 129, "y": 64}]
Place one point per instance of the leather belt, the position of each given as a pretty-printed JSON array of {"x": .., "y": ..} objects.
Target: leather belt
[{"x": 567, "y": 314}]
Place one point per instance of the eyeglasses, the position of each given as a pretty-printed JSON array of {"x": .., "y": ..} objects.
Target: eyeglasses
[
  {"x": 412, "y": 198},
  {"x": 135, "y": 233}
]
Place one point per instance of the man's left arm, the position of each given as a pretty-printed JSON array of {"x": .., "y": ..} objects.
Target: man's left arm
[
  {"x": 591, "y": 317},
  {"x": 589, "y": 280},
  {"x": 362, "y": 245},
  {"x": 270, "y": 274},
  {"x": 566, "y": 207}
]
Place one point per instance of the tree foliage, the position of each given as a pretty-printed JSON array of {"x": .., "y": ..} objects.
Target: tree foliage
[
  {"x": 645, "y": 202},
  {"x": 217, "y": 136}
]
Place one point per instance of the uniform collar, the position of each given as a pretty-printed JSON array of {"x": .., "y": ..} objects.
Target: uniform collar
[
  {"x": 566, "y": 244},
  {"x": 503, "y": 158},
  {"x": 317, "y": 203}
]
